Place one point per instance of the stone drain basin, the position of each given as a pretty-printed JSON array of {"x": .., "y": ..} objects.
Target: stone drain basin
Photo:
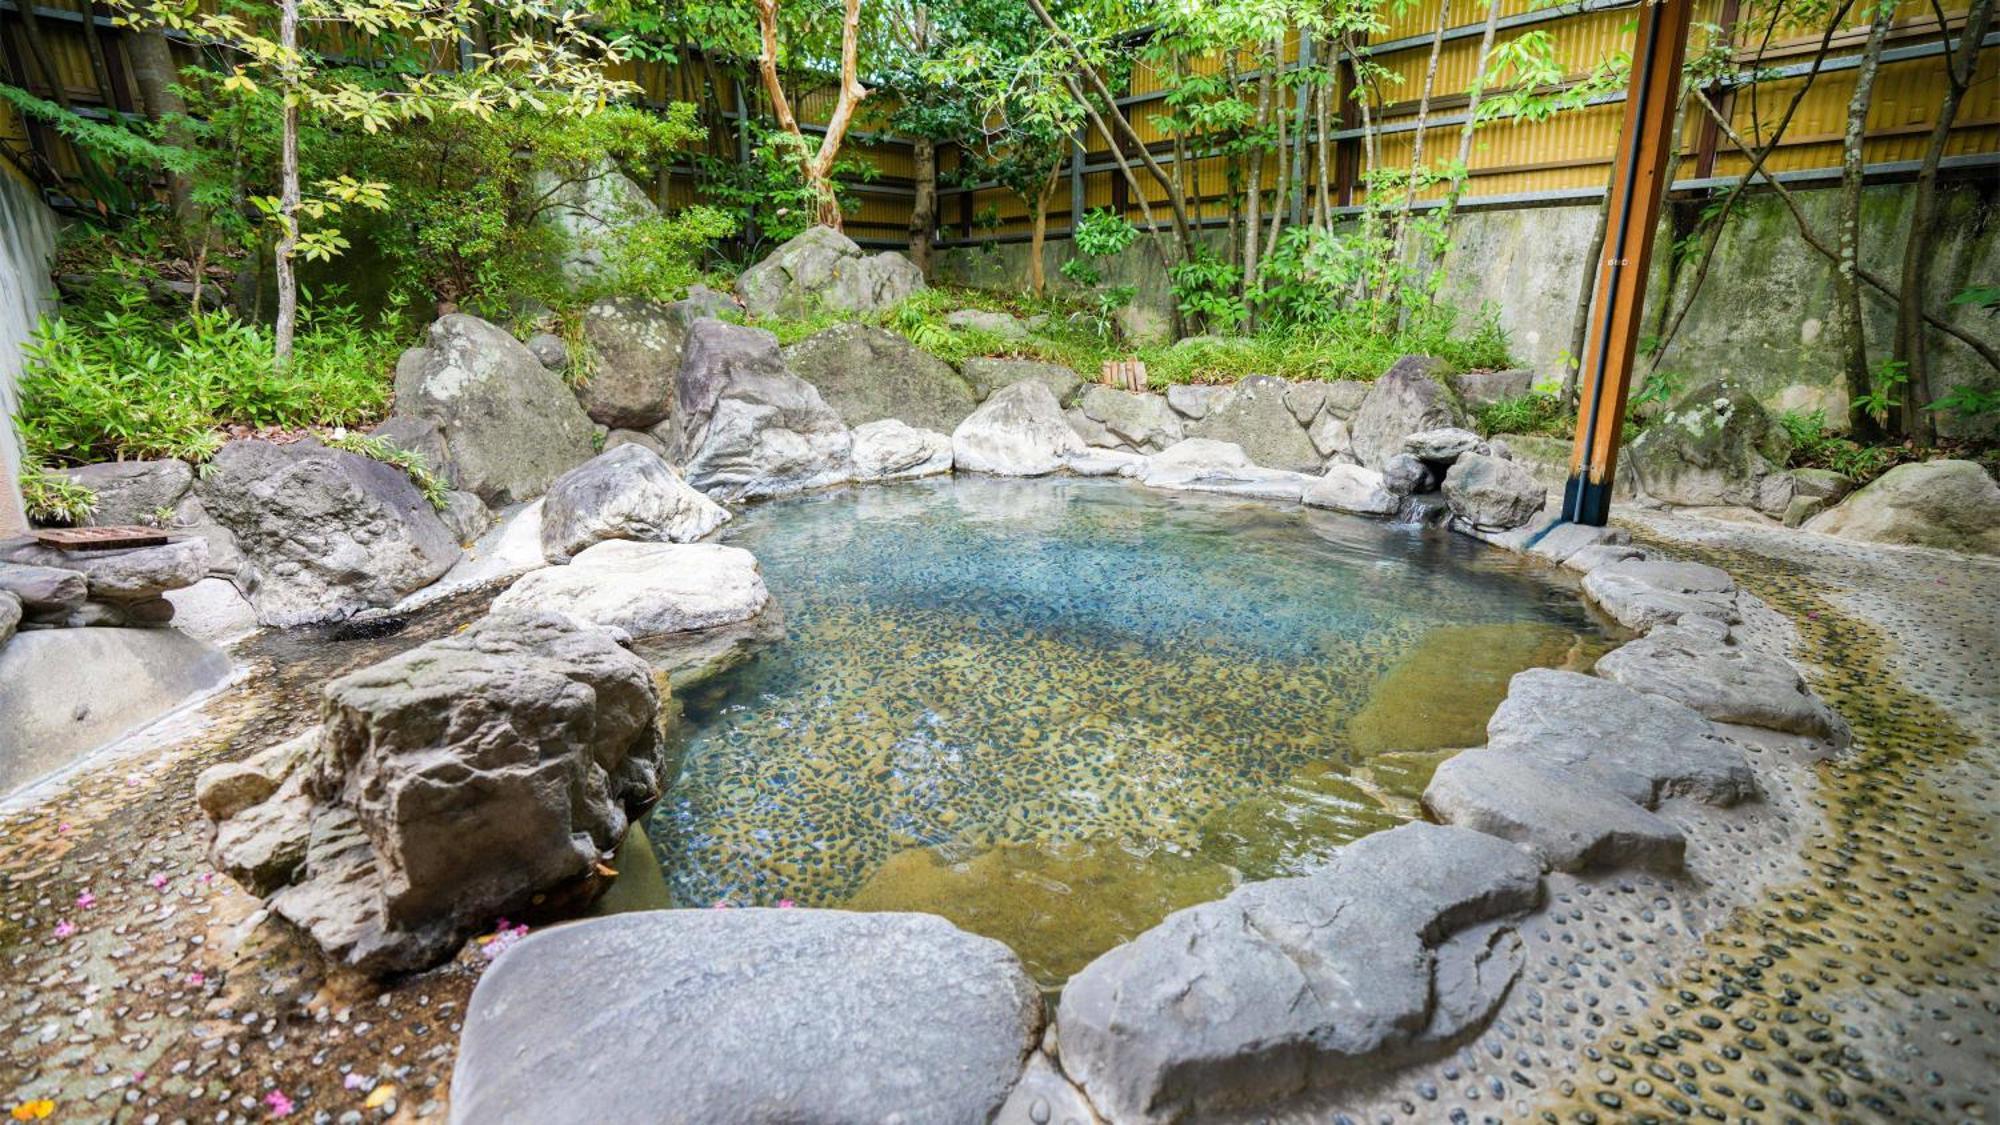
[{"x": 1055, "y": 711}]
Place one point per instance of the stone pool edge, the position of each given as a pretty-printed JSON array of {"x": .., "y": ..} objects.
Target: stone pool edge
[{"x": 1449, "y": 918}]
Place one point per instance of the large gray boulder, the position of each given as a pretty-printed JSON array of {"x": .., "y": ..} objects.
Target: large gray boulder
[
  {"x": 1019, "y": 431},
  {"x": 324, "y": 533},
  {"x": 1194, "y": 400},
  {"x": 1484, "y": 388},
  {"x": 1642, "y": 593},
  {"x": 509, "y": 424},
  {"x": 625, "y": 493},
  {"x": 48, "y": 595},
  {"x": 1207, "y": 465},
  {"x": 1396, "y": 949},
  {"x": 868, "y": 374},
  {"x": 646, "y": 589},
  {"x": 746, "y": 426},
  {"x": 892, "y": 450},
  {"x": 1646, "y": 748},
  {"x": 1351, "y": 489},
  {"x": 986, "y": 375},
  {"x": 1716, "y": 447},
  {"x": 693, "y": 610},
  {"x": 421, "y": 437},
  {"x": 1331, "y": 436},
  {"x": 1254, "y": 417},
  {"x": 1491, "y": 494},
  {"x": 1136, "y": 420},
  {"x": 1950, "y": 505},
  {"x": 1444, "y": 444},
  {"x": 65, "y": 692},
  {"x": 635, "y": 355},
  {"x": 134, "y": 492},
  {"x": 155, "y": 494},
  {"x": 1408, "y": 398},
  {"x": 745, "y": 1017},
  {"x": 10, "y": 615},
  {"x": 821, "y": 268},
  {"x": 458, "y": 782},
  {"x": 1698, "y": 664},
  {"x": 593, "y": 209},
  {"x": 1007, "y": 326}
]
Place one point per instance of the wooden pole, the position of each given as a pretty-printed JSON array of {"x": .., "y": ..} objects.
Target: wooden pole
[{"x": 1640, "y": 183}]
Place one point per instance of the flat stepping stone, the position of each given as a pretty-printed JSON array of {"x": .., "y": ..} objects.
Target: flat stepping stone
[
  {"x": 1568, "y": 822},
  {"x": 713, "y": 1017},
  {"x": 1642, "y": 593},
  {"x": 1643, "y": 747},
  {"x": 1697, "y": 664},
  {"x": 1290, "y": 984}
]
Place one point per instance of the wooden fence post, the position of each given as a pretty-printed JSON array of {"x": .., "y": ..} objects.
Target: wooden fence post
[{"x": 1637, "y": 188}]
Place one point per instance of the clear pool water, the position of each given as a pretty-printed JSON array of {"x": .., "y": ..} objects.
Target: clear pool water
[{"x": 1055, "y": 710}]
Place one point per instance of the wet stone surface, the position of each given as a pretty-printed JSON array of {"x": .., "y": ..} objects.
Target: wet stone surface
[
  {"x": 1862, "y": 982},
  {"x": 139, "y": 984},
  {"x": 1054, "y": 711}
]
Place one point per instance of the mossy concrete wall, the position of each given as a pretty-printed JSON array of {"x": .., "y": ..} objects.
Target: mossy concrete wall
[
  {"x": 27, "y": 239},
  {"x": 1761, "y": 316},
  {"x": 1764, "y": 316}
]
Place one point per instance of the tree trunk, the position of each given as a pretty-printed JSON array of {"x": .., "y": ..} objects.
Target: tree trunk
[
  {"x": 1138, "y": 194},
  {"x": 1038, "y": 282},
  {"x": 1281, "y": 194},
  {"x": 817, "y": 167},
  {"x": 1910, "y": 343},
  {"x": 1126, "y": 134},
  {"x": 288, "y": 187},
  {"x": 1464, "y": 167},
  {"x": 1253, "y": 217},
  {"x": 1323, "y": 145},
  {"x": 1847, "y": 287},
  {"x": 923, "y": 211},
  {"x": 153, "y": 72},
  {"x": 1423, "y": 120},
  {"x": 1586, "y": 293}
]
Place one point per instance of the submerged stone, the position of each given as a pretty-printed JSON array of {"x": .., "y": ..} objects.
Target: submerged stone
[
  {"x": 1441, "y": 695},
  {"x": 1066, "y": 901}
]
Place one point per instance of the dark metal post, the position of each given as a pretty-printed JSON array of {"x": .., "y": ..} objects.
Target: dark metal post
[{"x": 1639, "y": 185}]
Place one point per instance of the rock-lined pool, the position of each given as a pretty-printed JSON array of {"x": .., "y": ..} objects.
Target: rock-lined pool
[{"x": 1053, "y": 711}]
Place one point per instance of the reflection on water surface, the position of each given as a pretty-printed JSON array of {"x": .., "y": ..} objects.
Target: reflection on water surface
[{"x": 1055, "y": 710}]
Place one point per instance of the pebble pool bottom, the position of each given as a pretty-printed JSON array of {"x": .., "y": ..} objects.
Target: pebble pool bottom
[{"x": 1054, "y": 711}]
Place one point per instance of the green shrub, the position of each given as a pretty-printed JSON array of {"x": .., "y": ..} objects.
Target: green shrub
[
  {"x": 659, "y": 258},
  {"x": 130, "y": 381},
  {"x": 50, "y": 498},
  {"x": 1815, "y": 447},
  {"x": 1533, "y": 413},
  {"x": 428, "y": 482}
]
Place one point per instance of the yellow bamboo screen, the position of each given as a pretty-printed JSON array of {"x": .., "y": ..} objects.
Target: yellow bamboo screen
[{"x": 1567, "y": 153}]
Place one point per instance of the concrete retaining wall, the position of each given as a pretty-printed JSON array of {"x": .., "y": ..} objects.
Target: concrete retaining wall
[
  {"x": 27, "y": 239},
  {"x": 1761, "y": 316}
]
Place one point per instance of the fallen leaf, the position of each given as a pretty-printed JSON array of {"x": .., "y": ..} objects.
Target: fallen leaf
[{"x": 379, "y": 1095}]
